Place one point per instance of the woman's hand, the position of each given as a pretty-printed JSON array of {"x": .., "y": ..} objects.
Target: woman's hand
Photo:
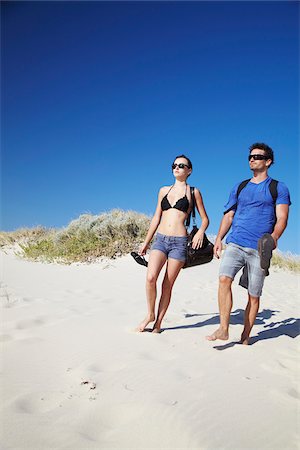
[
  {"x": 198, "y": 240},
  {"x": 143, "y": 249}
]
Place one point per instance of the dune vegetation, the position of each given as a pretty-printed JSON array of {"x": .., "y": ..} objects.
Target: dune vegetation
[
  {"x": 286, "y": 260},
  {"x": 107, "y": 235}
]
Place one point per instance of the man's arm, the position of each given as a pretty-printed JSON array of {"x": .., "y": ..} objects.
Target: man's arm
[
  {"x": 223, "y": 230},
  {"x": 282, "y": 214}
]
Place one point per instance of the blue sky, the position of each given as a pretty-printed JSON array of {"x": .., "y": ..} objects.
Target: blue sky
[{"x": 99, "y": 97}]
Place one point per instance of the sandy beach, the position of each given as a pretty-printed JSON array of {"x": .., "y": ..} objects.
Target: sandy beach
[{"x": 75, "y": 374}]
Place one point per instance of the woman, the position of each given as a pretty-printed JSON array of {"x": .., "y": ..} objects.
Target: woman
[{"x": 173, "y": 207}]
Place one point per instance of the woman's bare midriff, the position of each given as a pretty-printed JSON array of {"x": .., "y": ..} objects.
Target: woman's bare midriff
[{"x": 172, "y": 223}]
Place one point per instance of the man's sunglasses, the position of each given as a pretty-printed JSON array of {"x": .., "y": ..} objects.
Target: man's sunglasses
[
  {"x": 180, "y": 166},
  {"x": 258, "y": 157}
]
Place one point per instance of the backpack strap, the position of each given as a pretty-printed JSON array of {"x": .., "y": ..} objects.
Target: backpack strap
[
  {"x": 274, "y": 193},
  {"x": 241, "y": 186},
  {"x": 273, "y": 190}
]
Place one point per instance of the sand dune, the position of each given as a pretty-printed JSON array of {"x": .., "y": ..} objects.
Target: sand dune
[{"x": 75, "y": 374}]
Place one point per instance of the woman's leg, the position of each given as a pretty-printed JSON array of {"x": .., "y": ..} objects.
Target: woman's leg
[
  {"x": 173, "y": 268},
  {"x": 156, "y": 261}
]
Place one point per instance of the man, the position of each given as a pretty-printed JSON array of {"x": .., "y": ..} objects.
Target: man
[{"x": 251, "y": 212}]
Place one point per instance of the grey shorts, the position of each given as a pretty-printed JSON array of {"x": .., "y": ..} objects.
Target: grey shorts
[
  {"x": 172, "y": 246},
  {"x": 235, "y": 258}
]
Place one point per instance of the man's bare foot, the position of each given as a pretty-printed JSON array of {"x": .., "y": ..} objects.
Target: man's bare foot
[
  {"x": 142, "y": 325},
  {"x": 219, "y": 334}
]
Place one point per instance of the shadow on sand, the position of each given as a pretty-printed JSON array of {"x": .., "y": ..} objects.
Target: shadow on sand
[{"x": 287, "y": 327}]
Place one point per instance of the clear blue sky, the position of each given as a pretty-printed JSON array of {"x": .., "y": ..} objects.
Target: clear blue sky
[{"x": 99, "y": 97}]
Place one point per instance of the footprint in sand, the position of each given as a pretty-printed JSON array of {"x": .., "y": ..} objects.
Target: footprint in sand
[
  {"x": 294, "y": 393},
  {"x": 5, "y": 338},
  {"x": 86, "y": 387},
  {"x": 94, "y": 368},
  {"x": 282, "y": 366},
  {"x": 28, "y": 299},
  {"x": 8, "y": 298},
  {"x": 39, "y": 402},
  {"x": 90, "y": 386},
  {"x": 285, "y": 396},
  {"x": 24, "y": 324},
  {"x": 46, "y": 401}
]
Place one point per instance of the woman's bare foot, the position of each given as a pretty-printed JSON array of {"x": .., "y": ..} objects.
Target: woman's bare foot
[
  {"x": 156, "y": 330},
  {"x": 244, "y": 339},
  {"x": 148, "y": 319},
  {"x": 218, "y": 334}
]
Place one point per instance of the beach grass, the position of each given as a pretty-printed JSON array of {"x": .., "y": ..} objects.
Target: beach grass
[
  {"x": 286, "y": 260},
  {"x": 111, "y": 234},
  {"x": 22, "y": 235},
  {"x": 107, "y": 235}
]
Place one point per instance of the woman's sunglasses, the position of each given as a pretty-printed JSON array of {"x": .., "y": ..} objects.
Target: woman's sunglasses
[
  {"x": 258, "y": 157},
  {"x": 180, "y": 166}
]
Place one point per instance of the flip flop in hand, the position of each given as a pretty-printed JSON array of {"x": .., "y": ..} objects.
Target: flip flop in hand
[
  {"x": 266, "y": 245},
  {"x": 139, "y": 259}
]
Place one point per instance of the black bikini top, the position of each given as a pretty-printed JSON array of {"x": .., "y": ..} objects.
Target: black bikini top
[{"x": 182, "y": 204}]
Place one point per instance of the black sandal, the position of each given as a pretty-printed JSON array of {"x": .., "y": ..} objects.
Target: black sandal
[{"x": 139, "y": 259}]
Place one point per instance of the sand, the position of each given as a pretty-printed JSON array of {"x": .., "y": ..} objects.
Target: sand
[{"x": 75, "y": 374}]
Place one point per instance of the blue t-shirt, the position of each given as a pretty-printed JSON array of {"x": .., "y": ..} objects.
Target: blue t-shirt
[{"x": 254, "y": 212}]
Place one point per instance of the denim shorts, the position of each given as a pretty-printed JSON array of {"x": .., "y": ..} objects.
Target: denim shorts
[
  {"x": 235, "y": 258},
  {"x": 172, "y": 246}
]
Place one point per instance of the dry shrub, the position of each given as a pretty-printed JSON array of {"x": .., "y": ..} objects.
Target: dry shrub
[
  {"x": 23, "y": 235},
  {"x": 110, "y": 234},
  {"x": 287, "y": 261}
]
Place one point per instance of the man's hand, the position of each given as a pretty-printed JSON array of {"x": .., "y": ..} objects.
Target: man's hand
[
  {"x": 218, "y": 248},
  {"x": 275, "y": 239}
]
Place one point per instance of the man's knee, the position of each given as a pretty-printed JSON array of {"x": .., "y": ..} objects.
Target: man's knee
[
  {"x": 254, "y": 300},
  {"x": 225, "y": 281}
]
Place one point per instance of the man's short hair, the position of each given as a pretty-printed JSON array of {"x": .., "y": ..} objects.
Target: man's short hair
[{"x": 268, "y": 151}]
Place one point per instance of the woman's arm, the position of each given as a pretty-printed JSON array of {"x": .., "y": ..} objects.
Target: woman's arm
[
  {"x": 198, "y": 238},
  {"x": 153, "y": 224}
]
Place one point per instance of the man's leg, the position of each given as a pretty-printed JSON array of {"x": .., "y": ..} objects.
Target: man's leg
[
  {"x": 256, "y": 278},
  {"x": 225, "y": 306},
  {"x": 232, "y": 261},
  {"x": 250, "y": 316}
]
